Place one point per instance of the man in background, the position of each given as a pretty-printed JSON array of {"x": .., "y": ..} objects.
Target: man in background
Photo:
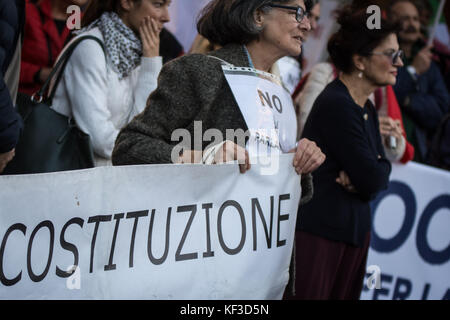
[{"x": 420, "y": 89}]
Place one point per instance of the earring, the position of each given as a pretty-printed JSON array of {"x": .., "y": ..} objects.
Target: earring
[{"x": 360, "y": 75}]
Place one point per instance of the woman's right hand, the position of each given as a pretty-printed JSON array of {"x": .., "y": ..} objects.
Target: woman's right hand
[{"x": 149, "y": 33}]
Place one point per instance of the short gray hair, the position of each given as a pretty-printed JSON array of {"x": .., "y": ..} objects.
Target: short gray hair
[{"x": 232, "y": 21}]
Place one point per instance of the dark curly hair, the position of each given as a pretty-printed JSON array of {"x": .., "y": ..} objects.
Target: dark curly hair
[{"x": 355, "y": 38}]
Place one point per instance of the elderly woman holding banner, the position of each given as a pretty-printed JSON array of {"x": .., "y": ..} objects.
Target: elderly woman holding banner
[
  {"x": 193, "y": 89},
  {"x": 199, "y": 92}
]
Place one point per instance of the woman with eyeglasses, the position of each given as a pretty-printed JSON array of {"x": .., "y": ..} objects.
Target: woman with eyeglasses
[
  {"x": 333, "y": 229},
  {"x": 193, "y": 88},
  {"x": 396, "y": 146}
]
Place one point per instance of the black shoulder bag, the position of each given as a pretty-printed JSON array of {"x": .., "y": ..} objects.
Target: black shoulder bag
[{"x": 50, "y": 141}]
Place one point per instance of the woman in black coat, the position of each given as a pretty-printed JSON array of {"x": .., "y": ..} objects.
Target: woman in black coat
[{"x": 334, "y": 227}]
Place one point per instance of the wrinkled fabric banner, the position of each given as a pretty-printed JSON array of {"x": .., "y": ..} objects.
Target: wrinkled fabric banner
[{"x": 148, "y": 232}]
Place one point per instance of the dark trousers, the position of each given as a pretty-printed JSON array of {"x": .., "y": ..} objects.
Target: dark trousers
[{"x": 328, "y": 270}]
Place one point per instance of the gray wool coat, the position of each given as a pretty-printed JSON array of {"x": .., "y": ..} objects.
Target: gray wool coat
[{"x": 190, "y": 88}]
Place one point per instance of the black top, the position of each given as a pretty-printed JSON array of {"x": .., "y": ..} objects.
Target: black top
[{"x": 350, "y": 138}]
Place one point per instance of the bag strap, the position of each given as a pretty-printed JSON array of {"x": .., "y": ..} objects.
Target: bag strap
[{"x": 59, "y": 67}]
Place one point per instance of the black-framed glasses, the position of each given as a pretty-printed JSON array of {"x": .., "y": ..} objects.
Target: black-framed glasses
[
  {"x": 394, "y": 56},
  {"x": 299, "y": 11}
]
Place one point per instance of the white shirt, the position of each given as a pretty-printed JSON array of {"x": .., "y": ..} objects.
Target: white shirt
[{"x": 101, "y": 104}]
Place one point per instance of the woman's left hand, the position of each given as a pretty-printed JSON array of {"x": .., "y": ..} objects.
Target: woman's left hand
[
  {"x": 149, "y": 33},
  {"x": 308, "y": 157}
]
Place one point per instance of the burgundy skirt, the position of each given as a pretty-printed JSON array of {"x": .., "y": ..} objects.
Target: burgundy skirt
[{"x": 328, "y": 270}]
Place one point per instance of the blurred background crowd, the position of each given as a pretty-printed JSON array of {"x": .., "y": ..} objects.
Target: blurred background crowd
[{"x": 413, "y": 114}]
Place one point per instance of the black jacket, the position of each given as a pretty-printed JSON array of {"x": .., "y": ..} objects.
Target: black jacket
[
  {"x": 350, "y": 138},
  {"x": 11, "y": 22}
]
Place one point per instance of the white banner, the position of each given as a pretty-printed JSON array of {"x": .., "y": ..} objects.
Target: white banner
[
  {"x": 148, "y": 232},
  {"x": 410, "y": 247}
]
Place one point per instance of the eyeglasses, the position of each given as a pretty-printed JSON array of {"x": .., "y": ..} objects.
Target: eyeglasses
[
  {"x": 395, "y": 56},
  {"x": 299, "y": 11}
]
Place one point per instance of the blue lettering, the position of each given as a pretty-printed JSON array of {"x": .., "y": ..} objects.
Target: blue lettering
[
  {"x": 406, "y": 194},
  {"x": 399, "y": 293},
  {"x": 425, "y": 251}
]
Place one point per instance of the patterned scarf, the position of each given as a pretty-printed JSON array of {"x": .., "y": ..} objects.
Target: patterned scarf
[{"x": 124, "y": 48}]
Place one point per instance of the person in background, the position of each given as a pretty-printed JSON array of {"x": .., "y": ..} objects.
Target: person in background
[
  {"x": 12, "y": 15},
  {"x": 333, "y": 229},
  {"x": 46, "y": 33},
  {"x": 425, "y": 15},
  {"x": 104, "y": 93},
  {"x": 290, "y": 68},
  {"x": 384, "y": 100},
  {"x": 314, "y": 17},
  {"x": 440, "y": 51},
  {"x": 420, "y": 89}
]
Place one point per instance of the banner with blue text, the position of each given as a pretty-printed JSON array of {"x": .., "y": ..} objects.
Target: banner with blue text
[{"x": 409, "y": 256}]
